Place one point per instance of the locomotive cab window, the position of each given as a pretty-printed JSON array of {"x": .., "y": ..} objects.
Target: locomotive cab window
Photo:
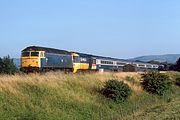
[
  {"x": 76, "y": 59},
  {"x": 35, "y": 54},
  {"x": 25, "y": 54}
]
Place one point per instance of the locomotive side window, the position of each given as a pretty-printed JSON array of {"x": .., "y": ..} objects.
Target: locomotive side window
[
  {"x": 25, "y": 54},
  {"x": 41, "y": 54},
  {"x": 36, "y": 54}
]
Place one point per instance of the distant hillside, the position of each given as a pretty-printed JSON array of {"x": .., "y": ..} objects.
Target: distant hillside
[{"x": 170, "y": 58}]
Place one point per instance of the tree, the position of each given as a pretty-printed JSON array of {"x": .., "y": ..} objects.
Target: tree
[
  {"x": 1, "y": 65},
  {"x": 178, "y": 65},
  {"x": 7, "y": 66}
]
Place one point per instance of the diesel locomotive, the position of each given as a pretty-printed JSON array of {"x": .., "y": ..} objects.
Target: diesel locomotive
[{"x": 35, "y": 58}]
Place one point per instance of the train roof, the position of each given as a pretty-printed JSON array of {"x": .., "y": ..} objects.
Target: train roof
[
  {"x": 57, "y": 51},
  {"x": 101, "y": 57},
  {"x": 114, "y": 59},
  {"x": 48, "y": 50}
]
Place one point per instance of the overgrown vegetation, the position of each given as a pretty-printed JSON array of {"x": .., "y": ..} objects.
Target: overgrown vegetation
[
  {"x": 116, "y": 90},
  {"x": 177, "y": 82},
  {"x": 156, "y": 82},
  {"x": 7, "y": 66},
  {"x": 57, "y": 96}
]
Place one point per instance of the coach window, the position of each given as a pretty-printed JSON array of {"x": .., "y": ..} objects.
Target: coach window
[
  {"x": 102, "y": 62},
  {"x": 148, "y": 65},
  {"x": 140, "y": 65},
  {"x": 119, "y": 63},
  {"x": 35, "y": 54}
]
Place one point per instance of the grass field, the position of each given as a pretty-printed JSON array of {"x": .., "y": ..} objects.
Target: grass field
[{"x": 58, "y": 96}]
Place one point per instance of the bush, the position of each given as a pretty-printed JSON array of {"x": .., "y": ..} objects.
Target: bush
[
  {"x": 155, "y": 82},
  {"x": 178, "y": 81},
  {"x": 116, "y": 90}
]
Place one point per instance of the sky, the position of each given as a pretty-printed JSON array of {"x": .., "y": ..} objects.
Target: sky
[{"x": 115, "y": 28}]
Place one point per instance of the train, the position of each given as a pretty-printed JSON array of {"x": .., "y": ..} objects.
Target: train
[{"x": 36, "y": 58}]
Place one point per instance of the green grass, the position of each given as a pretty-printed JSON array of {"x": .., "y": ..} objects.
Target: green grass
[{"x": 56, "y": 96}]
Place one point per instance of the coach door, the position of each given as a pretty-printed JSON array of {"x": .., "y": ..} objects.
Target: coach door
[{"x": 92, "y": 64}]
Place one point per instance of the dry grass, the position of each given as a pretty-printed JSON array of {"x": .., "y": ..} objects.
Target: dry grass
[
  {"x": 72, "y": 96},
  {"x": 65, "y": 83},
  {"x": 56, "y": 79},
  {"x": 135, "y": 84}
]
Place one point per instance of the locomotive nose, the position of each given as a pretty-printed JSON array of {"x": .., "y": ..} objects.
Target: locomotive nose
[{"x": 30, "y": 62}]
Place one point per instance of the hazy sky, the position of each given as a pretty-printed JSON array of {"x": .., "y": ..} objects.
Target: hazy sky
[{"x": 116, "y": 28}]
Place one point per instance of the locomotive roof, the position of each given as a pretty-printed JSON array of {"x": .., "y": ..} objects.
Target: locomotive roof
[{"x": 48, "y": 50}]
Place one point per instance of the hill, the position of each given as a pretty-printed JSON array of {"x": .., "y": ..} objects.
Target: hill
[
  {"x": 170, "y": 58},
  {"x": 53, "y": 96}
]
